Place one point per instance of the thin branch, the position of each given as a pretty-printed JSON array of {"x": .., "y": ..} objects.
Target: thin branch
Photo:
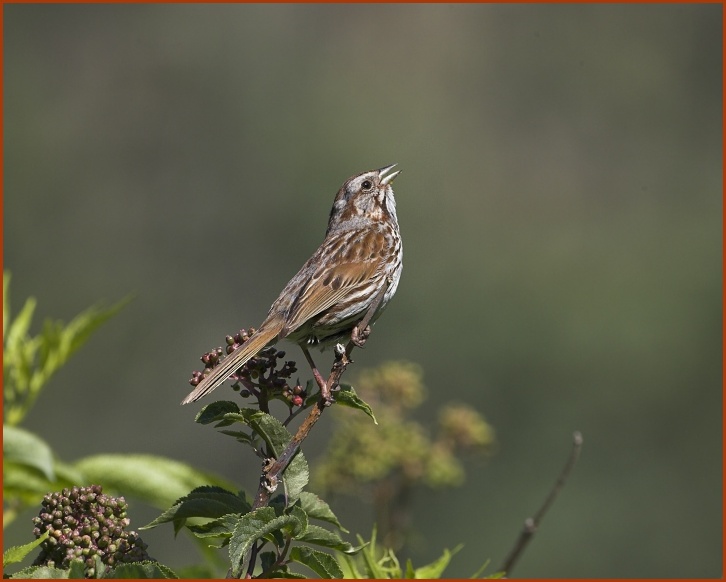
[
  {"x": 272, "y": 470},
  {"x": 532, "y": 523}
]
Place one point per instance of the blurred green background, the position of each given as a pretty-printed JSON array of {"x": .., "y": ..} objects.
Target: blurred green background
[{"x": 561, "y": 209}]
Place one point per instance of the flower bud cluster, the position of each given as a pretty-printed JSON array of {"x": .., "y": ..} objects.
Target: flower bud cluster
[
  {"x": 259, "y": 373},
  {"x": 83, "y": 523},
  {"x": 295, "y": 396}
]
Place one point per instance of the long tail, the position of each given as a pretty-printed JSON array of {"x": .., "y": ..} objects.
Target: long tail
[{"x": 235, "y": 360}]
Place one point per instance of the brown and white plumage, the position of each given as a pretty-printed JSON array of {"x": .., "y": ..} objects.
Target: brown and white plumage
[{"x": 360, "y": 254}]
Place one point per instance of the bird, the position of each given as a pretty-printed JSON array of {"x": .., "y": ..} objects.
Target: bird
[{"x": 356, "y": 269}]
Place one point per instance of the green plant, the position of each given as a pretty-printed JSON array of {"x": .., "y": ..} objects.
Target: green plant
[
  {"x": 81, "y": 531},
  {"x": 284, "y": 524},
  {"x": 30, "y": 467},
  {"x": 378, "y": 563},
  {"x": 389, "y": 461},
  {"x": 281, "y": 527},
  {"x": 30, "y": 361}
]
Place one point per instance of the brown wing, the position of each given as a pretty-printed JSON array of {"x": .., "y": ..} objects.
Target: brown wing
[{"x": 343, "y": 265}]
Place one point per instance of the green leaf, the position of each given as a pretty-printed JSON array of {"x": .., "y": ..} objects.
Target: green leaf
[
  {"x": 284, "y": 572},
  {"x": 329, "y": 539},
  {"x": 218, "y": 531},
  {"x": 410, "y": 570},
  {"x": 298, "y": 513},
  {"x": 296, "y": 477},
  {"x": 386, "y": 567},
  {"x": 24, "y": 486},
  {"x": 17, "y": 554},
  {"x": 267, "y": 560},
  {"x": 324, "y": 565},
  {"x": 257, "y": 524},
  {"x": 25, "y": 448},
  {"x": 29, "y": 362},
  {"x": 77, "y": 568},
  {"x": 318, "y": 509},
  {"x": 36, "y": 572},
  {"x": 241, "y": 436},
  {"x": 437, "y": 567},
  {"x": 19, "y": 327},
  {"x": 275, "y": 435},
  {"x": 157, "y": 480},
  {"x": 205, "y": 502},
  {"x": 347, "y": 396},
  {"x": 215, "y": 411},
  {"x": 141, "y": 570},
  {"x": 271, "y": 430},
  {"x": 18, "y": 355}
]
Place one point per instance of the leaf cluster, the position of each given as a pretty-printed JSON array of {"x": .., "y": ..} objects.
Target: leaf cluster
[
  {"x": 30, "y": 361},
  {"x": 266, "y": 540},
  {"x": 225, "y": 519}
]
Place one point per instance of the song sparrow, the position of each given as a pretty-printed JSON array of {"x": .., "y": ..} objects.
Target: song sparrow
[{"x": 355, "y": 269}]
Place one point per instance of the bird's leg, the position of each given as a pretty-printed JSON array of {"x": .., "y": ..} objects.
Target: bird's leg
[
  {"x": 360, "y": 332},
  {"x": 324, "y": 390}
]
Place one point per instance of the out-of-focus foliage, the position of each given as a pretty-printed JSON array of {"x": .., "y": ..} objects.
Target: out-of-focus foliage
[
  {"x": 30, "y": 361},
  {"x": 387, "y": 461}
]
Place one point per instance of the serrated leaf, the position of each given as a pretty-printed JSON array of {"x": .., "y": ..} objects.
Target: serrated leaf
[
  {"x": 39, "y": 572},
  {"x": 324, "y": 565},
  {"x": 296, "y": 477},
  {"x": 25, "y": 448},
  {"x": 437, "y": 567},
  {"x": 141, "y": 570},
  {"x": 257, "y": 524},
  {"x": 319, "y": 509},
  {"x": 217, "y": 532},
  {"x": 298, "y": 513},
  {"x": 271, "y": 430},
  {"x": 202, "y": 502},
  {"x": 276, "y": 437},
  {"x": 77, "y": 568},
  {"x": 241, "y": 436},
  {"x": 329, "y": 539},
  {"x": 157, "y": 480},
  {"x": 347, "y": 396},
  {"x": 215, "y": 411},
  {"x": 17, "y": 554}
]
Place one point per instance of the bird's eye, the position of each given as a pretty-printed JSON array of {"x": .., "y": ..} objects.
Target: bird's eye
[{"x": 367, "y": 185}]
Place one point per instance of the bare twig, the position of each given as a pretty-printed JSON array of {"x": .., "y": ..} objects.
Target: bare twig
[{"x": 532, "y": 523}]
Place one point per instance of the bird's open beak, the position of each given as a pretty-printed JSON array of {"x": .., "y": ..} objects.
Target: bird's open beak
[{"x": 385, "y": 177}]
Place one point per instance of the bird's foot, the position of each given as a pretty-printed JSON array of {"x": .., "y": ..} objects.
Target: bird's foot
[{"x": 359, "y": 337}]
